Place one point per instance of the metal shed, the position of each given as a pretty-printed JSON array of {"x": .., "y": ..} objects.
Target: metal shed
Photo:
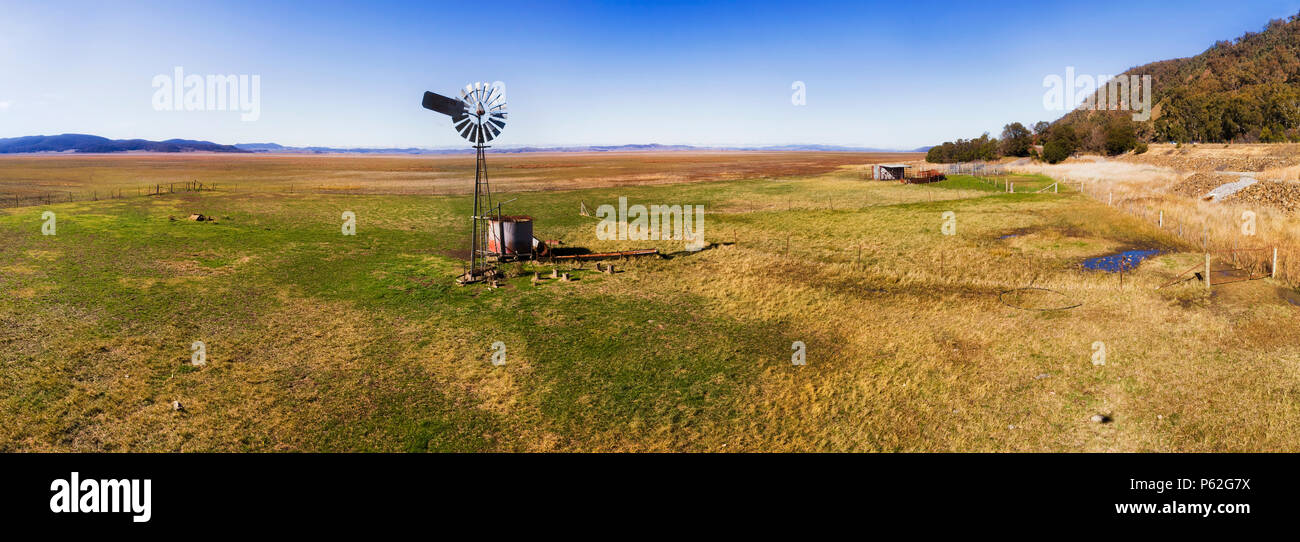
[{"x": 889, "y": 172}]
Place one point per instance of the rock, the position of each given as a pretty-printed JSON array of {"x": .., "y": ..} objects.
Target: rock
[
  {"x": 1099, "y": 418},
  {"x": 1042, "y": 376},
  {"x": 177, "y": 406},
  {"x": 1198, "y": 184},
  {"x": 1278, "y": 195}
]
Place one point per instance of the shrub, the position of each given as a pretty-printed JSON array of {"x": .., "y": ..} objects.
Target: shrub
[
  {"x": 1056, "y": 150},
  {"x": 1061, "y": 143},
  {"x": 1120, "y": 137}
]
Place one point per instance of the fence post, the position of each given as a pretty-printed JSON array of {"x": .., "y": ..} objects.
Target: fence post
[
  {"x": 1207, "y": 271},
  {"x": 1274, "y": 274}
]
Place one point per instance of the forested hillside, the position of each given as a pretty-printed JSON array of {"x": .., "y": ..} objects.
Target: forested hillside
[{"x": 1243, "y": 90}]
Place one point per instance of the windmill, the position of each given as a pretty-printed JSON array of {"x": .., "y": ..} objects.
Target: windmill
[{"x": 478, "y": 116}]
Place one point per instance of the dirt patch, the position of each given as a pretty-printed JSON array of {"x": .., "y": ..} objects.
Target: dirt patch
[
  {"x": 1037, "y": 299},
  {"x": 461, "y": 253},
  {"x": 1289, "y": 295},
  {"x": 1021, "y": 232}
]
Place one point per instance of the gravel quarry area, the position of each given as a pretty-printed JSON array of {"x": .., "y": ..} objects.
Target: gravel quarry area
[
  {"x": 1283, "y": 196},
  {"x": 1218, "y": 157},
  {"x": 1250, "y": 174},
  {"x": 1229, "y": 189}
]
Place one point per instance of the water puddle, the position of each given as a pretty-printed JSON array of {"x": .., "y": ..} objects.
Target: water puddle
[{"x": 1112, "y": 263}]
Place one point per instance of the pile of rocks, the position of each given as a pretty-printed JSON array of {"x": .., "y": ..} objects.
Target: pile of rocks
[
  {"x": 1216, "y": 157},
  {"x": 1199, "y": 184},
  {"x": 1282, "y": 196}
]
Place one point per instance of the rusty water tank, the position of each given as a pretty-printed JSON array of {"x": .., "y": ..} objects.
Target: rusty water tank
[{"x": 511, "y": 235}]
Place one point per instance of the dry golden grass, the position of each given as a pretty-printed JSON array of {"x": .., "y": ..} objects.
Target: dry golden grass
[
  {"x": 102, "y": 175},
  {"x": 1147, "y": 191},
  {"x": 323, "y": 343},
  {"x": 906, "y": 354}
]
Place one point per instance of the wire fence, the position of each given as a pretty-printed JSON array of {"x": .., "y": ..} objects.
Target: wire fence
[
  {"x": 1219, "y": 237},
  {"x": 977, "y": 169},
  {"x": 51, "y": 197}
]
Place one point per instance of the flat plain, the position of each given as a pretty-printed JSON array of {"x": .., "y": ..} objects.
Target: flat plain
[{"x": 915, "y": 340}]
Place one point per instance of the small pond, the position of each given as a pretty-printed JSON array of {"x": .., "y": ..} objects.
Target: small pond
[{"x": 1113, "y": 262}]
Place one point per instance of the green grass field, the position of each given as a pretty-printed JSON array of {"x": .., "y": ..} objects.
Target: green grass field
[{"x": 316, "y": 341}]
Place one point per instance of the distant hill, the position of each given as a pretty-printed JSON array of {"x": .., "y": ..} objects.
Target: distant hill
[
  {"x": 90, "y": 143},
  {"x": 1247, "y": 89},
  {"x": 1244, "y": 90}
]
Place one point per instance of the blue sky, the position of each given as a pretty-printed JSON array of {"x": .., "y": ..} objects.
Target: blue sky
[{"x": 879, "y": 74}]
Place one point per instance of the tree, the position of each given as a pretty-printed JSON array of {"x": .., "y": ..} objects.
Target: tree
[
  {"x": 1121, "y": 136},
  {"x": 1016, "y": 140},
  {"x": 964, "y": 150},
  {"x": 1061, "y": 143},
  {"x": 1230, "y": 92},
  {"x": 1040, "y": 131},
  {"x": 1274, "y": 134}
]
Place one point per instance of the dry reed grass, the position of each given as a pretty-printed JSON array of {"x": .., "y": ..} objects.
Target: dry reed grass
[{"x": 1148, "y": 192}]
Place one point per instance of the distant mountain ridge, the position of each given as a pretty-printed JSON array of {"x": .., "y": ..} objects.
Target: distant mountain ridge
[
  {"x": 93, "y": 144},
  {"x": 82, "y": 143}
]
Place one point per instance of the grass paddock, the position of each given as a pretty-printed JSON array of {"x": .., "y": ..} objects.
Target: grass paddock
[{"x": 320, "y": 341}]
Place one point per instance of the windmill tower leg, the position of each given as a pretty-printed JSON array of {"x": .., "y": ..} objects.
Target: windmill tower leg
[
  {"x": 479, "y": 266},
  {"x": 474, "y": 240}
]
